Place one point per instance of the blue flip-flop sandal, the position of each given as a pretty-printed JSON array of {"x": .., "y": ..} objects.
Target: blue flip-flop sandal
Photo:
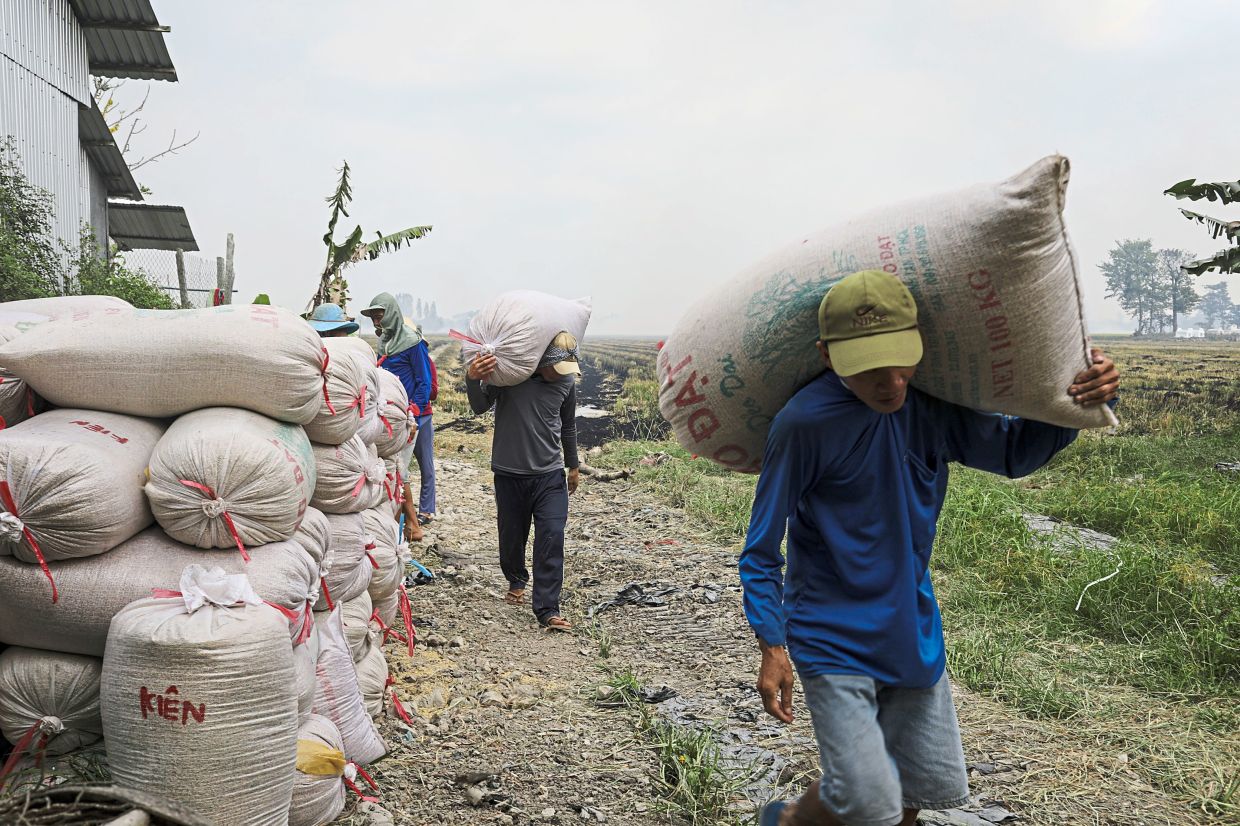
[{"x": 771, "y": 813}]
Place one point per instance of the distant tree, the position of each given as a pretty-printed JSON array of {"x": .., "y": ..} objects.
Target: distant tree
[
  {"x": 419, "y": 313},
  {"x": 1131, "y": 271},
  {"x": 1176, "y": 285},
  {"x": 1216, "y": 306},
  {"x": 1228, "y": 259},
  {"x": 434, "y": 313},
  {"x": 333, "y": 288}
]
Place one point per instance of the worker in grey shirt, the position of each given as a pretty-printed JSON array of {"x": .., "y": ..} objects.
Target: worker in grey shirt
[{"x": 534, "y": 421}]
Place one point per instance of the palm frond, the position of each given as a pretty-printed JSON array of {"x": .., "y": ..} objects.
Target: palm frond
[
  {"x": 1229, "y": 228},
  {"x": 347, "y": 251},
  {"x": 339, "y": 201},
  {"x": 1226, "y": 262},
  {"x": 1223, "y": 192},
  {"x": 393, "y": 242}
]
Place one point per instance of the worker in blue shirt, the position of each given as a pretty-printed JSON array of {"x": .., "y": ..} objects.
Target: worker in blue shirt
[
  {"x": 403, "y": 352},
  {"x": 856, "y": 469}
]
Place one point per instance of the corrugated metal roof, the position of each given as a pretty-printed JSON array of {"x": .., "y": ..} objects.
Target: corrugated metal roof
[
  {"x": 150, "y": 227},
  {"x": 124, "y": 39},
  {"x": 100, "y": 146}
]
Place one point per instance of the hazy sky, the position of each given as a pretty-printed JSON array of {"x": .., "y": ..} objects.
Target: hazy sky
[{"x": 643, "y": 152}]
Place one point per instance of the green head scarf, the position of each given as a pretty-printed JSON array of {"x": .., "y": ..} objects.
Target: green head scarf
[{"x": 394, "y": 335}]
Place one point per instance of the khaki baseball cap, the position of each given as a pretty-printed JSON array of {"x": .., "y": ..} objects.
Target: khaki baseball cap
[
  {"x": 869, "y": 320},
  {"x": 568, "y": 343}
]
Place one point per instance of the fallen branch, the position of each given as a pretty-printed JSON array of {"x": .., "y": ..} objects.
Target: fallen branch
[{"x": 604, "y": 475}]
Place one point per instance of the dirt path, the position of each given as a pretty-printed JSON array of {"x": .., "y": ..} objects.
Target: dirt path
[{"x": 510, "y": 714}]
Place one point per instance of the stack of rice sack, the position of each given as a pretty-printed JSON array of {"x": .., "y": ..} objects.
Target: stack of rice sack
[{"x": 158, "y": 527}]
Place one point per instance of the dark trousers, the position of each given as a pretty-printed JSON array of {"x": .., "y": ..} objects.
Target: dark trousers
[{"x": 544, "y": 500}]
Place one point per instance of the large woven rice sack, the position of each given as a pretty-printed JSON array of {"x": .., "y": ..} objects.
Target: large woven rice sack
[
  {"x": 348, "y": 573},
  {"x": 345, "y": 403},
  {"x": 318, "y": 789},
  {"x": 393, "y": 485},
  {"x": 338, "y": 697},
  {"x": 71, "y": 483},
  {"x": 199, "y": 700},
  {"x": 314, "y": 534},
  {"x": 386, "y": 578},
  {"x": 61, "y": 306},
  {"x": 372, "y": 426},
  {"x": 349, "y": 480},
  {"x": 49, "y": 701},
  {"x": 229, "y": 478},
  {"x": 163, "y": 363},
  {"x": 517, "y": 327},
  {"x": 355, "y": 619},
  {"x": 304, "y": 658},
  {"x": 372, "y": 675},
  {"x": 18, "y": 401},
  {"x": 395, "y": 418},
  {"x": 93, "y": 589},
  {"x": 999, "y": 301}
]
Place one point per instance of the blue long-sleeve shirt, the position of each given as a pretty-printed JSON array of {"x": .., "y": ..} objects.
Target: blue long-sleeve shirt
[
  {"x": 860, "y": 493},
  {"x": 413, "y": 368}
]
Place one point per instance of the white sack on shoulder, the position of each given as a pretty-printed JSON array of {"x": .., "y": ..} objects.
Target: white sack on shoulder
[
  {"x": 517, "y": 327},
  {"x": 224, "y": 477},
  {"x": 163, "y": 363},
  {"x": 71, "y": 480},
  {"x": 57, "y": 693},
  {"x": 349, "y": 480},
  {"x": 200, "y": 708},
  {"x": 93, "y": 589},
  {"x": 999, "y": 307}
]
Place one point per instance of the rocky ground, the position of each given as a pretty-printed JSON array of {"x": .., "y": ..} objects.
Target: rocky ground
[{"x": 515, "y": 724}]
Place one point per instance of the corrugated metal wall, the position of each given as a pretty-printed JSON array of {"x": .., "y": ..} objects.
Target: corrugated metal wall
[{"x": 43, "y": 78}]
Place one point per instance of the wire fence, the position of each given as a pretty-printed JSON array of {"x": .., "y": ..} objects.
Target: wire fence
[{"x": 201, "y": 277}]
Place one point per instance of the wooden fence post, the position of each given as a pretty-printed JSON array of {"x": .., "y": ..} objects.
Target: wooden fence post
[
  {"x": 229, "y": 273},
  {"x": 181, "y": 282}
]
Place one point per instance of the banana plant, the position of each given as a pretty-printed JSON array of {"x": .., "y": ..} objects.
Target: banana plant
[
  {"x": 1226, "y": 260},
  {"x": 333, "y": 288}
]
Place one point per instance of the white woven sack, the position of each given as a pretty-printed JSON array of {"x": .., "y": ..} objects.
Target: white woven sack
[
  {"x": 355, "y": 618},
  {"x": 64, "y": 306},
  {"x": 74, "y": 483},
  {"x": 18, "y": 401},
  {"x": 349, "y": 573},
  {"x": 517, "y": 327},
  {"x": 49, "y": 699},
  {"x": 318, "y": 788},
  {"x": 371, "y": 428},
  {"x": 396, "y": 422},
  {"x": 338, "y": 697},
  {"x": 344, "y": 403},
  {"x": 93, "y": 589},
  {"x": 372, "y": 675},
  {"x": 164, "y": 363},
  {"x": 200, "y": 705},
  {"x": 314, "y": 534},
  {"x": 999, "y": 301},
  {"x": 348, "y": 479},
  {"x": 303, "y": 664},
  {"x": 386, "y": 579},
  {"x": 230, "y": 478},
  {"x": 394, "y": 485}
]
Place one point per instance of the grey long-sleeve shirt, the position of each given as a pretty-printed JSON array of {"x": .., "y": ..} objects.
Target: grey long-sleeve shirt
[{"x": 534, "y": 420}]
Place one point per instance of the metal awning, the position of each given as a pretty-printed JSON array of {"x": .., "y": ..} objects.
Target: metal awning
[
  {"x": 124, "y": 39},
  {"x": 150, "y": 227},
  {"x": 104, "y": 154}
]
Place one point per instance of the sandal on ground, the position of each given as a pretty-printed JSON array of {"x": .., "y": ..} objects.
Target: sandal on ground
[
  {"x": 425, "y": 518},
  {"x": 557, "y": 623},
  {"x": 515, "y": 597}
]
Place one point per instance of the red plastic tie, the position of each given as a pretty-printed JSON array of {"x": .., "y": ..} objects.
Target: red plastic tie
[
  {"x": 327, "y": 594},
  {"x": 361, "y": 483},
  {"x": 353, "y": 786},
  {"x": 406, "y": 615},
  {"x": 6, "y": 497},
  {"x": 21, "y": 746},
  {"x": 372, "y": 560},
  {"x": 228, "y": 520},
  {"x": 30, "y": 400},
  {"x": 462, "y": 337},
  {"x": 327, "y": 360}
]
